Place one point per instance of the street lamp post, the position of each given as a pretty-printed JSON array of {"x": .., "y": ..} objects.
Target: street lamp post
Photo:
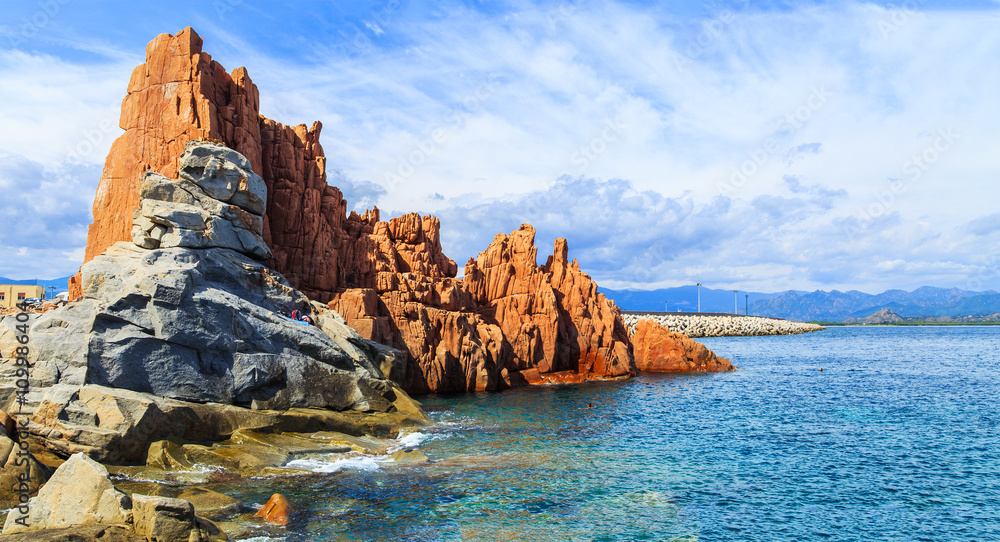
[
  {"x": 736, "y": 302},
  {"x": 698, "y": 284},
  {"x": 665, "y": 309},
  {"x": 746, "y": 305}
]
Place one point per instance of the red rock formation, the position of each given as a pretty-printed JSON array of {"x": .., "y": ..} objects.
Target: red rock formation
[
  {"x": 553, "y": 314},
  {"x": 660, "y": 350},
  {"x": 389, "y": 279}
]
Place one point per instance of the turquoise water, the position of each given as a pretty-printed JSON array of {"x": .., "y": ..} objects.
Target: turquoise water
[{"x": 895, "y": 439}]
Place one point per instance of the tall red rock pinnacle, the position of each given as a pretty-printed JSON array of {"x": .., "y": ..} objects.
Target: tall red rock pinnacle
[
  {"x": 509, "y": 322},
  {"x": 178, "y": 95}
]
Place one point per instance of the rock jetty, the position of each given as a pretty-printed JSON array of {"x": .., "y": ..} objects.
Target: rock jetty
[{"x": 722, "y": 326}]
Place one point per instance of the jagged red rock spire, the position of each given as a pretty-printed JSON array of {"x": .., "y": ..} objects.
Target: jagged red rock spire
[{"x": 180, "y": 94}]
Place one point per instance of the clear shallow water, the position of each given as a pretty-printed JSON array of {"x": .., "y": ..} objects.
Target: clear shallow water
[{"x": 895, "y": 439}]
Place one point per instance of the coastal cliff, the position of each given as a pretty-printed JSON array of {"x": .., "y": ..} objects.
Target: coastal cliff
[{"x": 509, "y": 323}]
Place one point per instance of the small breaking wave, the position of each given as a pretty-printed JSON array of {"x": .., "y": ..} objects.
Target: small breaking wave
[{"x": 360, "y": 463}]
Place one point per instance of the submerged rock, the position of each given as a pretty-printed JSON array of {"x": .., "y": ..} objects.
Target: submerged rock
[{"x": 409, "y": 457}]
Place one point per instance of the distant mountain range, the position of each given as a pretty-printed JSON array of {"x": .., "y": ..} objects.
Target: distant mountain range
[
  {"x": 61, "y": 284},
  {"x": 834, "y": 306}
]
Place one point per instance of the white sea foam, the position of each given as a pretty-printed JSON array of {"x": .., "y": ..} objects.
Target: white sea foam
[
  {"x": 263, "y": 539},
  {"x": 410, "y": 440},
  {"x": 363, "y": 463}
]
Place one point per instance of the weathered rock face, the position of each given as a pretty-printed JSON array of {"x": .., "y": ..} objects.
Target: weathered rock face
[
  {"x": 509, "y": 322},
  {"x": 390, "y": 280},
  {"x": 658, "y": 349},
  {"x": 180, "y": 94}
]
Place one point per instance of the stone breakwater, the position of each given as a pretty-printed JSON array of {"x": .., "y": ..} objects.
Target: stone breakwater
[{"x": 696, "y": 325}]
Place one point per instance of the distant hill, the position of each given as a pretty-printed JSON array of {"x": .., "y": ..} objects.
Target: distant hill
[
  {"x": 884, "y": 316},
  {"x": 60, "y": 284},
  {"x": 833, "y": 306}
]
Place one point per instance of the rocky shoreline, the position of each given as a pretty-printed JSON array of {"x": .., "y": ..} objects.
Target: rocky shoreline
[{"x": 694, "y": 325}]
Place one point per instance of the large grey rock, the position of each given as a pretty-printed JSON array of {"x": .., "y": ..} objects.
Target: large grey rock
[
  {"x": 217, "y": 203},
  {"x": 201, "y": 325},
  {"x": 79, "y": 493},
  {"x": 224, "y": 174},
  {"x": 391, "y": 362}
]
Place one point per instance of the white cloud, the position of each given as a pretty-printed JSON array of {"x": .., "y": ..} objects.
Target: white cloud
[
  {"x": 45, "y": 211},
  {"x": 55, "y": 111}
]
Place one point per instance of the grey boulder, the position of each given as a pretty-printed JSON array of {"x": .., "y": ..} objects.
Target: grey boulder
[
  {"x": 202, "y": 326},
  {"x": 218, "y": 202}
]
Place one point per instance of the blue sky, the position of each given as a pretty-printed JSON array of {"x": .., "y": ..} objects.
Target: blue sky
[{"x": 749, "y": 145}]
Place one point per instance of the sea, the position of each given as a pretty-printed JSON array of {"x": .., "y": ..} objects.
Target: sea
[{"x": 848, "y": 434}]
